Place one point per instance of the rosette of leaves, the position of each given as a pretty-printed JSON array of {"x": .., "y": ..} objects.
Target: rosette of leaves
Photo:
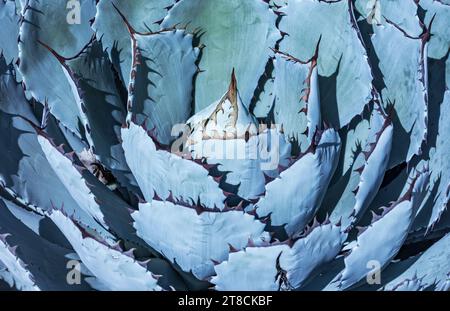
[{"x": 226, "y": 144}]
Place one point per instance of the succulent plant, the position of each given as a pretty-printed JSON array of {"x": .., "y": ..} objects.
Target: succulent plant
[{"x": 226, "y": 144}]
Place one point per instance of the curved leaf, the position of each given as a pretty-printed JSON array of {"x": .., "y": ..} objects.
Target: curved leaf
[
  {"x": 165, "y": 174},
  {"x": 162, "y": 81},
  {"x": 227, "y": 135},
  {"x": 113, "y": 269},
  {"x": 279, "y": 266},
  {"x": 113, "y": 33},
  {"x": 41, "y": 71},
  {"x": 194, "y": 241},
  {"x": 382, "y": 240},
  {"x": 342, "y": 58},
  {"x": 302, "y": 193},
  {"x": 235, "y": 34},
  {"x": 431, "y": 267},
  {"x": 403, "y": 67},
  {"x": 34, "y": 256}
]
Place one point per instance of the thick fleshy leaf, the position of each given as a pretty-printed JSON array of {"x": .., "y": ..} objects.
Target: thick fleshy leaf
[
  {"x": 9, "y": 32},
  {"x": 48, "y": 22},
  {"x": 227, "y": 135},
  {"x": 369, "y": 149},
  {"x": 235, "y": 34},
  {"x": 342, "y": 59},
  {"x": 161, "y": 86},
  {"x": 440, "y": 39},
  {"x": 376, "y": 157},
  {"x": 195, "y": 240},
  {"x": 403, "y": 66},
  {"x": 12, "y": 97},
  {"x": 297, "y": 103},
  {"x": 71, "y": 178},
  {"x": 27, "y": 173},
  {"x": 340, "y": 198},
  {"x": 302, "y": 193},
  {"x": 143, "y": 15},
  {"x": 28, "y": 218},
  {"x": 439, "y": 163},
  {"x": 414, "y": 284},
  {"x": 435, "y": 156},
  {"x": 279, "y": 266},
  {"x": 12, "y": 269},
  {"x": 109, "y": 212},
  {"x": 112, "y": 268},
  {"x": 164, "y": 174},
  {"x": 383, "y": 238},
  {"x": 431, "y": 267},
  {"x": 437, "y": 151},
  {"x": 103, "y": 109},
  {"x": 33, "y": 255},
  {"x": 403, "y": 13}
]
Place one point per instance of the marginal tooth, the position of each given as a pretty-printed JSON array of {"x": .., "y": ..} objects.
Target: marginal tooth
[
  {"x": 144, "y": 263},
  {"x": 359, "y": 169},
  {"x": 12, "y": 249},
  {"x": 375, "y": 217},
  {"x": 130, "y": 252},
  {"x": 250, "y": 243},
  {"x": 156, "y": 276},
  {"x": 360, "y": 229},
  {"x": 232, "y": 249},
  {"x": 4, "y": 236},
  {"x": 215, "y": 262},
  {"x": 239, "y": 207},
  {"x": 366, "y": 154}
]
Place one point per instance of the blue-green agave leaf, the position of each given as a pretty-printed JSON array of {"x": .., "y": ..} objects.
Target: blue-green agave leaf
[
  {"x": 440, "y": 39},
  {"x": 382, "y": 239},
  {"x": 28, "y": 255},
  {"x": 403, "y": 13},
  {"x": 195, "y": 239},
  {"x": 340, "y": 197},
  {"x": 27, "y": 165},
  {"x": 226, "y": 134},
  {"x": 165, "y": 174},
  {"x": 9, "y": 32},
  {"x": 13, "y": 270},
  {"x": 43, "y": 75},
  {"x": 279, "y": 266},
  {"x": 439, "y": 163},
  {"x": 404, "y": 68},
  {"x": 303, "y": 192},
  {"x": 144, "y": 15},
  {"x": 102, "y": 109},
  {"x": 112, "y": 268},
  {"x": 369, "y": 149},
  {"x": 342, "y": 58},
  {"x": 431, "y": 267},
  {"x": 297, "y": 98},
  {"x": 376, "y": 155},
  {"x": 162, "y": 61},
  {"x": 235, "y": 34}
]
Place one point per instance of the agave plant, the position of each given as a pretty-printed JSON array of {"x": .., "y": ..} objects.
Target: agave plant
[{"x": 224, "y": 144}]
